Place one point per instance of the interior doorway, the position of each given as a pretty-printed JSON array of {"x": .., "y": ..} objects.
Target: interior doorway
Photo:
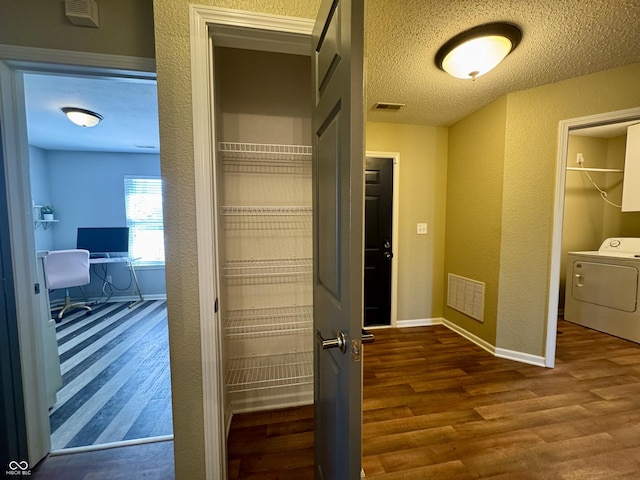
[
  {"x": 594, "y": 126},
  {"x": 21, "y": 228},
  {"x": 112, "y": 381}
]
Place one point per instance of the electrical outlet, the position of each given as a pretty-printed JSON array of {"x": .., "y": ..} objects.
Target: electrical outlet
[
  {"x": 421, "y": 229},
  {"x": 109, "y": 279},
  {"x": 580, "y": 159}
]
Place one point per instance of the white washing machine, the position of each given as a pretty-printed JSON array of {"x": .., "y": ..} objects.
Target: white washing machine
[{"x": 602, "y": 288}]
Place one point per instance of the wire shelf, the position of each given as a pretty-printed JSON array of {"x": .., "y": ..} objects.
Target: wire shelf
[
  {"x": 269, "y": 321},
  {"x": 252, "y": 272},
  {"x": 269, "y": 371},
  {"x": 263, "y": 150},
  {"x": 267, "y": 218},
  {"x": 267, "y": 211},
  {"x": 265, "y": 158}
]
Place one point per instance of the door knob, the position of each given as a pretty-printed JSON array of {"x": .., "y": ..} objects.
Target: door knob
[
  {"x": 339, "y": 342},
  {"x": 367, "y": 337},
  {"x": 388, "y": 255}
]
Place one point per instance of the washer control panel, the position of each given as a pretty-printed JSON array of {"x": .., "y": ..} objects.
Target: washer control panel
[{"x": 621, "y": 246}]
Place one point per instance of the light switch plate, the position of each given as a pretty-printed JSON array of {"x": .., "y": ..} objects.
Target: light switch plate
[{"x": 421, "y": 229}]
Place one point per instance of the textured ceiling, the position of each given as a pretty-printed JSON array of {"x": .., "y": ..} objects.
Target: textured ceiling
[
  {"x": 561, "y": 39},
  {"x": 129, "y": 107}
]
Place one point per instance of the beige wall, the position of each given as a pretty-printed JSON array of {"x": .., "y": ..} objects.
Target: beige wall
[
  {"x": 423, "y": 178},
  {"x": 474, "y": 209},
  {"x": 267, "y": 97},
  {"x": 528, "y": 193},
  {"x": 176, "y": 136},
  {"x": 126, "y": 27}
]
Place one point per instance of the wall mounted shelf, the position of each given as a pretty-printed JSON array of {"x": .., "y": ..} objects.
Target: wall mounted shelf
[
  {"x": 45, "y": 223},
  {"x": 589, "y": 169}
]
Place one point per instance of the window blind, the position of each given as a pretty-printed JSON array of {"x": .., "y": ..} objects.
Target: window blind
[{"x": 143, "y": 204}]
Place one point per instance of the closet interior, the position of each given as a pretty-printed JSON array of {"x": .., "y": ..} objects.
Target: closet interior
[{"x": 263, "y": 185}]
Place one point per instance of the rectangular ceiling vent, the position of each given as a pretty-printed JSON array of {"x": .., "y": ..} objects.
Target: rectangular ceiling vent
[
  {"x": 82, "y": 12},
  {"x": 388, "y": 106}
]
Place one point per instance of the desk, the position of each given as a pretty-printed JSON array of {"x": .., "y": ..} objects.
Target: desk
[{"x": 129, "y": 262}]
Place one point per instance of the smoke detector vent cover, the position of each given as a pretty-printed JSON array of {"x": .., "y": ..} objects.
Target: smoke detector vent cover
[
  {"x": 388, "y": 106},
  {"x": 82, "y": 12}
]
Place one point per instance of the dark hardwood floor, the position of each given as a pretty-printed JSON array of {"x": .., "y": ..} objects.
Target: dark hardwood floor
[
  {"x": 438, "y": 407},
  {"x": 152, "y": 461}
]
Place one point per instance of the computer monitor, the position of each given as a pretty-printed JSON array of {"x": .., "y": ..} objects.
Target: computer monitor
[{"x": 104, "y": 240}]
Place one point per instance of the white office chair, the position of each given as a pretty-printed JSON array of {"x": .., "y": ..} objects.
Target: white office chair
[{"x": 66, "y": 269}]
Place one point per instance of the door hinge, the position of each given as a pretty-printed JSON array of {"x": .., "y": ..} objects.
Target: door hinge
[
  {"x": 215, "y": 306},
  {"x": 36, "y": 288}
]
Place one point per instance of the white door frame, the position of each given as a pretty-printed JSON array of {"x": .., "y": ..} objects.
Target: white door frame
[
  {"x": 395, "y": 157},
  {"x": 14, "y": 61},
  {"x": 564, "y": 128},
  {"x": 210, "y": 27}
]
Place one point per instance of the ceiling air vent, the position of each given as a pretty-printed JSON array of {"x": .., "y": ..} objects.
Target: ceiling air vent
[
  {"x": 82, "y": 12},
  {"x": 388, "y": 106}
]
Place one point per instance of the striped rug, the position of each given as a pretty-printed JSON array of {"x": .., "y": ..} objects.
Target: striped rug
[{"x": 115, "y": 376}]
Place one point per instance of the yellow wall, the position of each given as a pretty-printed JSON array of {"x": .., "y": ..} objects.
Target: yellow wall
[
  {"x": 583, "y": 207},
  {"x": 126, "y": 27},
  {"x": 474, "y": 209},
  {"x": 528, "y": 193},
  {"x": 510, "y": 187},
  {"x": 423, "y": 178},
  {"x": 176, "y": 136}
]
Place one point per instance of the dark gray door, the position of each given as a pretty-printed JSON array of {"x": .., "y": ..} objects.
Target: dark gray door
[
  {"x": 378, "y": 249},
  {"x": 338, "y": 211}
]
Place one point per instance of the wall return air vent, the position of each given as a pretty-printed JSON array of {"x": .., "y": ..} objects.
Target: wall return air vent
[
  {"x": 82, "y": 12},
  {"x": 466, "y": 296}
]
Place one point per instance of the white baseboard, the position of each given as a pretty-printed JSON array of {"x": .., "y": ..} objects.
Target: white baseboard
[
  {"x": 420, "y": 322},
  {"x": 495, "y": 351},
  {"x": 536, "y": 360},
  {"x": 470, "y": 336},
  {"x": 128, "y": 298}
]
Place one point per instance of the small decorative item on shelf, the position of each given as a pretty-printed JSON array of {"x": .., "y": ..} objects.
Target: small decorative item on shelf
[{"x": 47, "y": 212}]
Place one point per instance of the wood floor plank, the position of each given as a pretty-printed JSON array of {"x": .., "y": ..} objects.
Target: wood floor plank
[
  {"x": 436, "y": 406},
  {"x": 116, "y": 381}
]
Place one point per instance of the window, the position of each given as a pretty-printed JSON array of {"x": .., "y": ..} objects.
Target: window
[{"x": 143, "y": 204}]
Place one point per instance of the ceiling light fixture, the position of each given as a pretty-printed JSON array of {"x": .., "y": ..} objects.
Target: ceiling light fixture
[
  {"x": 478, "y": 50},
  {"x": 82, "y": 117}
]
